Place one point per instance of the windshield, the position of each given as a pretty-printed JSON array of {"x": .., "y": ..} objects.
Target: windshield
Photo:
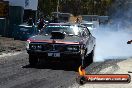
[{"x": 68, "y": 30}]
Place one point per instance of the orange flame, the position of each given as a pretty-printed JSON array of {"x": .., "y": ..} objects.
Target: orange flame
[{"x": 81, "y": 71}]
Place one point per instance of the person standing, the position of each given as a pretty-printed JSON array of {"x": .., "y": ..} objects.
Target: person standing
[
  {"x": 30, "y": 22},
  {"x": 41, "y": 23}
]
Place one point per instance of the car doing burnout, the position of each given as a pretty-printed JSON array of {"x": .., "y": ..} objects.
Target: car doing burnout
[{"x": 62, "y": 42}]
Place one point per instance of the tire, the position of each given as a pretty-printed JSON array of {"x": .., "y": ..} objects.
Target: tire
[
  {"x": 90, "y": 57},
  {"x": 81, "y": 80},
  {"x": 81, "y": 62},
  {"x": 33, "y": 60}
]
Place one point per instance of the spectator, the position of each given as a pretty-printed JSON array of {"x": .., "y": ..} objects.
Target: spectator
[
  {"x": 41, "y": 24},
  {"x": 30, "y": 22}
]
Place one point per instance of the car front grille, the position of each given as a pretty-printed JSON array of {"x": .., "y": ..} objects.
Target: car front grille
[
  {"x": 52, "y": 47},
  {"x": 47, "y": 47}
]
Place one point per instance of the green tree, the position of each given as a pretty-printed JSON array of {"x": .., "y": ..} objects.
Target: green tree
[
  {"x": 47, "y": 6},
  {"x": 76, "y": 7}
]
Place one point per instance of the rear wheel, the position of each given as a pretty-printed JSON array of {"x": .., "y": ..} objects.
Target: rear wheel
[
  {"x": 33, "y": 60},
  {"x": 90, "y": 57},
  {"x": 81, "y": 80},
  {"x": 81, "y": 61}
]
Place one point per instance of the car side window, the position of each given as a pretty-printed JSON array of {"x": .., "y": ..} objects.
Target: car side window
[{"x": 86, "y": 32}]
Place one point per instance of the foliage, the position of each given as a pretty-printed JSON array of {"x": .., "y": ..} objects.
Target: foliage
[{"x": 76, "y": 7}]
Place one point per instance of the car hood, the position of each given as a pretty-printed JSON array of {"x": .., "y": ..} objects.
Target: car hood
[{"x": 48, "y": 39}]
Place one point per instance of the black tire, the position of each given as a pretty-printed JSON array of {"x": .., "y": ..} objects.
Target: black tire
[
  {"x": 81, "y": 80},
  {"x": 81, "y": 62},
  {"x": 33, "y": 60},
  {"x": 90, "y": 57}
]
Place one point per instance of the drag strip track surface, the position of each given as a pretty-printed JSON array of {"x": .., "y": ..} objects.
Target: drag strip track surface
[
  {"x": 100, "y": 67},
  {"x": 16, "y": 73}
]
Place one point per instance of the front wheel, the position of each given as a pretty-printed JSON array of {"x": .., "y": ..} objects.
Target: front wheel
[
  {"x": 90, "y": 57},
  {"x": 33, "y": 60},
  {"x": 81, "y": 80},
  {"x": 81, "y": 61}
]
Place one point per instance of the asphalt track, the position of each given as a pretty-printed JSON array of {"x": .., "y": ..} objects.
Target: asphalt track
[{"x": 15, "y": 72}]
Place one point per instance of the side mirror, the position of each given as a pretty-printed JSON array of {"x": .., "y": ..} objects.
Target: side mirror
[{"x": 129, "y": 42}]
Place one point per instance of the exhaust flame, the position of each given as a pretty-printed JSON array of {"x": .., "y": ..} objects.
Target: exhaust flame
[{"x": 81, "y": 71}]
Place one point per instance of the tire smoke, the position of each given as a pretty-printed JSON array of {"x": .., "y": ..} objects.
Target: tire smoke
[{"x": 112, "y": 44}]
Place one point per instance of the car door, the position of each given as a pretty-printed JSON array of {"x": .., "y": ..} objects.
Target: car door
[
  {"x": 89, "y": 40},
  {"x": 86, "y": 39},
  {"x": 92, "y": 40}
]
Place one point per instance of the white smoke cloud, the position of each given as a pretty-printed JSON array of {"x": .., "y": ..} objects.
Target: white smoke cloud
[
  {"x": 112, "y": 44},
  {"x": 112, "y": 38}
]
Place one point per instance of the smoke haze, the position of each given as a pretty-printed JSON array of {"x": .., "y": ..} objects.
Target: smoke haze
[
  {"x": 111, "y": 39},
  {"x": 111, "y": 44}
]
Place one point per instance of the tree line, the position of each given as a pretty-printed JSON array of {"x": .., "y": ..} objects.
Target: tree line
[{"x": 77, "y": 7}]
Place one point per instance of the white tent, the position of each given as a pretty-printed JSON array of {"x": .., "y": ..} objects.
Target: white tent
[{"x": 26, "y": 4}]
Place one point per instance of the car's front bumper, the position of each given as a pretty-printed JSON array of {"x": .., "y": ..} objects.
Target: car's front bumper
[{"x": 62, "y": 55}]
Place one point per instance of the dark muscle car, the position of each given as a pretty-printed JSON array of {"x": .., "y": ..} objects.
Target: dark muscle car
[{"x": 62, "y": 42}]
